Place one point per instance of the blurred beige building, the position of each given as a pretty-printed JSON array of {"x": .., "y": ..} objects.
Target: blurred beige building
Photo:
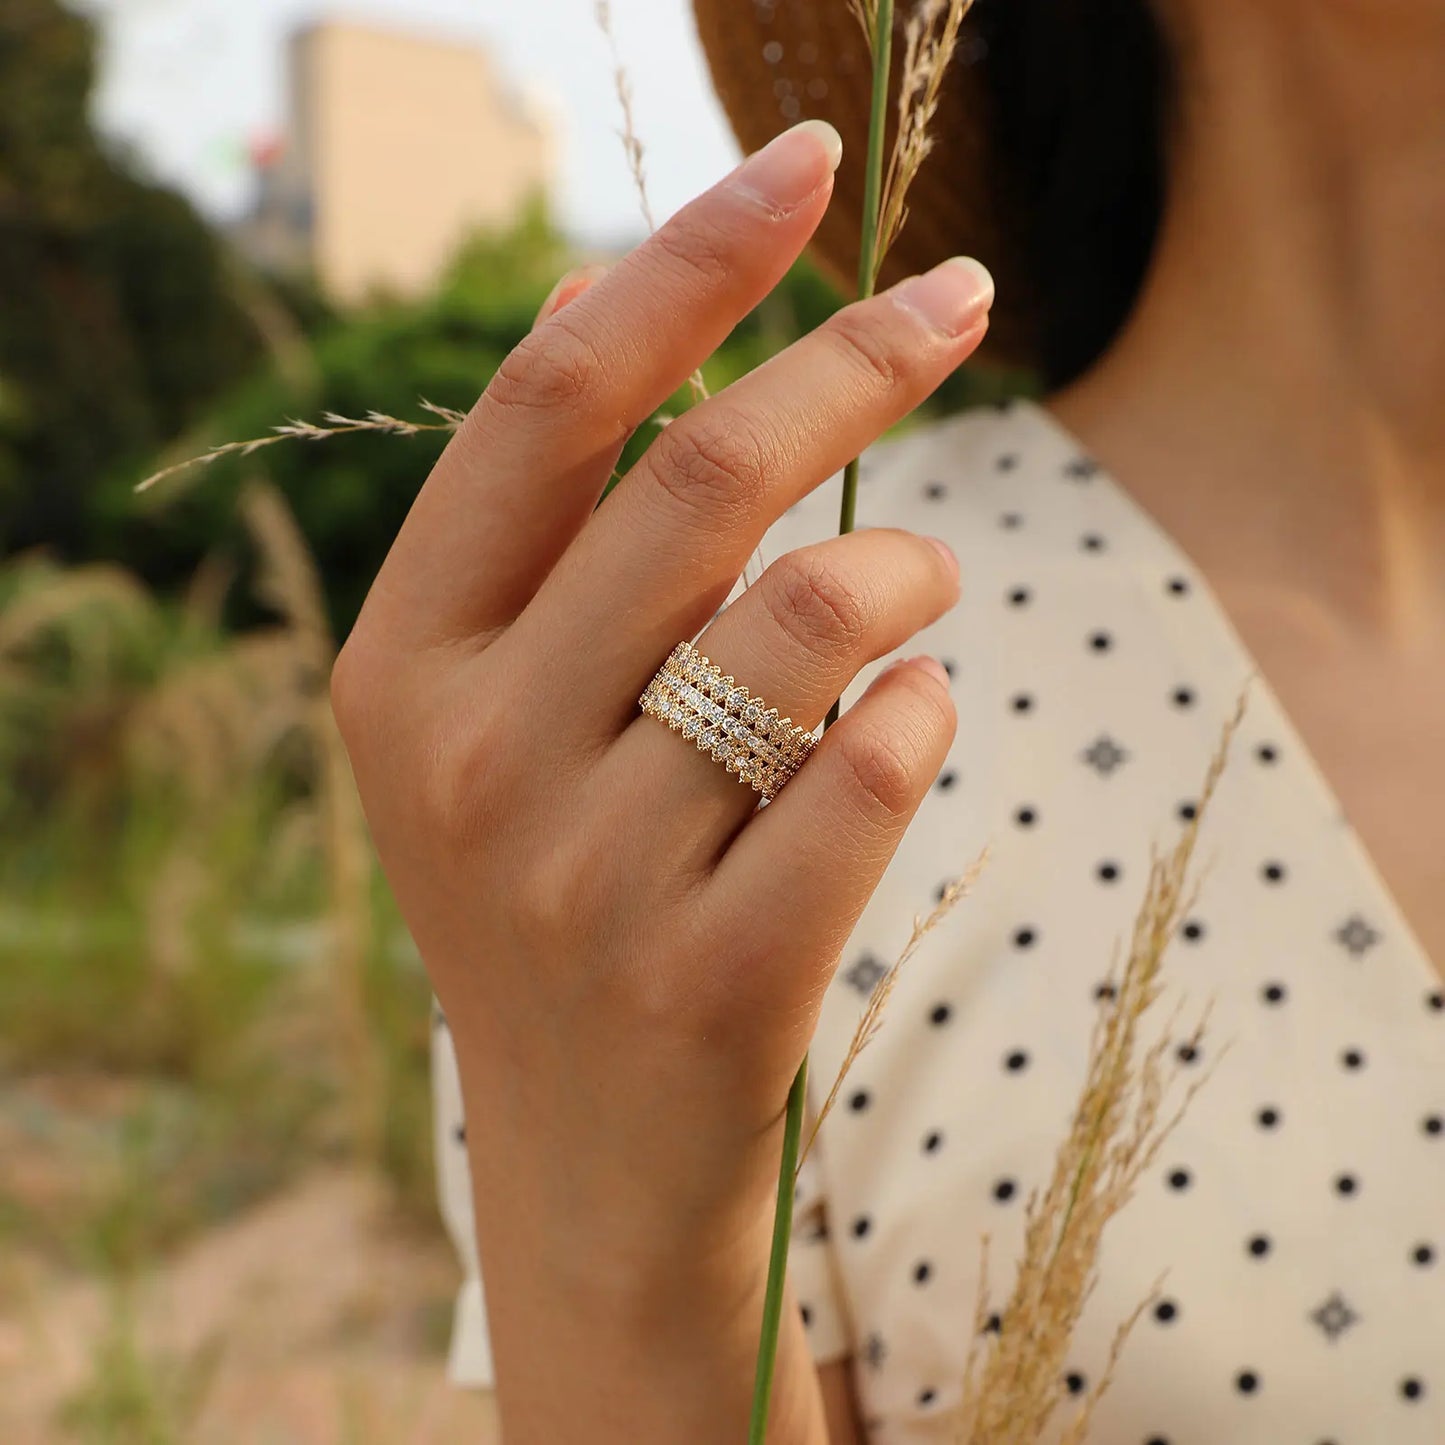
[{"x": 399, "y": 147}]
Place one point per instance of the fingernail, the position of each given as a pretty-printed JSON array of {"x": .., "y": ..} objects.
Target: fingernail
[
  {"x": 933, "y": 667},
  {"x": 951, "y": 297},
  {"x": 946, "y": 552},
  {"x": 791, "y": 166},
  {"x": 569, "y": 288}
]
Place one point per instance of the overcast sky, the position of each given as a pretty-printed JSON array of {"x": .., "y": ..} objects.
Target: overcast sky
[{"x": 191, "y": 83}]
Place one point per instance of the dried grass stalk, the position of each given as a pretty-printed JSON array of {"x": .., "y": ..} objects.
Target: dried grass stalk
[
  {"x": 872, "y": 1017},
  {"x": 1014, "y": 1378},
  {"x": 336, "y": 425},
  {"x": 930, "y": 39}
]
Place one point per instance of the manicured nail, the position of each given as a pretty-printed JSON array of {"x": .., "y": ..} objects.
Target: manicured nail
[
  {"x": 946, "y": 552},
  {"x": 791, "y": 166},
  {"x": 951, "y": 297}
]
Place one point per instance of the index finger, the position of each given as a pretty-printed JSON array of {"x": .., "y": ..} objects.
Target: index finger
[{"x": 522, "y": 474}]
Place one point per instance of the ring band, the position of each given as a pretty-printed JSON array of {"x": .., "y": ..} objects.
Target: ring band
[{"x": 693, "y": 696}]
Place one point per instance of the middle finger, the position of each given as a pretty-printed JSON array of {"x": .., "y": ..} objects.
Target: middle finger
[{"x": 661, "y": 554}]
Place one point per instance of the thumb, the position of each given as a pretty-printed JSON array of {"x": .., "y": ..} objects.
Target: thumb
[{"x": 569, "y": 288}]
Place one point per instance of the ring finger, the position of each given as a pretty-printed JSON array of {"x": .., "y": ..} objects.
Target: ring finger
[{"x": 796, "y": 639}]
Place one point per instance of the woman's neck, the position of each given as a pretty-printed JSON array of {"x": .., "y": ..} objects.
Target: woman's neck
[{"x": 1278, "y": 397}]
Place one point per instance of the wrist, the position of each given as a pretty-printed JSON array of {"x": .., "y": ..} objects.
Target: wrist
[{"x": 611, "y": 1319}]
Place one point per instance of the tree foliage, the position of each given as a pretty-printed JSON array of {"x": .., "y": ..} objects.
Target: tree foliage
[{"x": 120, "y": 324}]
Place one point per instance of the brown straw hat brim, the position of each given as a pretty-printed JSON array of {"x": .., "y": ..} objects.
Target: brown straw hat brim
[{"x": 776, "y": 62}]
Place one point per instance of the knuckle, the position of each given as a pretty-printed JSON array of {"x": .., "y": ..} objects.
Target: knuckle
[
  {"x": 700, "y": 252},
  {"x": 870, "y": 345},
  {"x": 713, "y": 465},
  {"x": 809, "y": 598},
  {"x": 880, "y": 770},
  {"x": 551, "y": 369}
]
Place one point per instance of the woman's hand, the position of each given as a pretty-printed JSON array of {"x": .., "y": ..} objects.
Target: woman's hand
[{"x": 630, "y": 955}]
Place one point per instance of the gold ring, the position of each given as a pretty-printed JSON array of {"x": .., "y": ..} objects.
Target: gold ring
[{"x": 693, "y": 696}]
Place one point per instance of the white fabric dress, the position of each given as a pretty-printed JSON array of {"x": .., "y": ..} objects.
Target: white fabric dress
[{"x": 1298, "y": 1212}]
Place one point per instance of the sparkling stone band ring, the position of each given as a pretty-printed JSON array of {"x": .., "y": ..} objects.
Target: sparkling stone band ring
[{"x": 695, "y": 697}]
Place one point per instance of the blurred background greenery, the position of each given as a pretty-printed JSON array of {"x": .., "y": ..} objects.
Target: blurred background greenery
[{"x": 207, "y": 1001}]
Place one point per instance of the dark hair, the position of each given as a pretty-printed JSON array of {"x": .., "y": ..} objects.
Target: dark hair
[{"x": 1078, "y": 93}]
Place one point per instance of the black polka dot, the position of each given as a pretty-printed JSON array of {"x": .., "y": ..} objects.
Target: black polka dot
[
  {"x": 1422, "y": 1256},
  {"x": 1004, "y": 1190},
  {"x": 1433, "y": 1125},
  {"x": 1108, "y": 872},
  {"x": 1353, "y": 1060},
  {"x": 1182, "y": 697},
  {"x": 1267, "y": 753},
  {"x": 1259, "y": 1245},
  {"x": 1105, "y": 991},
  {"x": 949, "y": 666},
  {"x": 1246, "y": 1382},
  {"x": 993, "y": 1325},
  {"x": 1100, "y": 641},
  {"x": 1011, "y": 521},
  {"x": 1022, "y": 702},
  {"x": 1026, "y": 817},
  {"x": 1017, "y": 1061},
  {"x": 1019, "y": 597},
  {"x": 934, "y": 491},
  {"x": 861, "y": 1226},
  {"x": 1166, "y": 1312},
  {"x": 1180, "y": 1179},
  {"x": 860, "y": 1100},
  {"x": 459, "y": 1133},
  {"x": 1272, "y": 872},
  {"x": 1435, "y": 1001},
  {"x": 947, "y": 779},
  {"x": 1187, "y": 1054},
  {"x": 1177, "y": 586},
  {"x": 940, "y": 1014},
  {"x": 922, "y": 1272},
  {"x": 1091, "y": 542},
  {"x": 1075, "y": 1383},
  {"x": 1156, "y": 1440},
  {"x": 1193, "y": 930},
  {"x": 1346, "y": 1185},
  {"x": 806, "y": 1313},
  {"x": 1412, "y": 1388},
  {"x": 1274, "y": 993},
  {"x": 1007, "y": 462},
  {"x": 1024, "y": 938},
  {"x": 1267, "y": 1118},
  {"x": 1186, "y": 811},
  {"x": 940, "y": 892},
  {"x": 927, "y": 1396},
  {"x": 932, "y": 1142}
]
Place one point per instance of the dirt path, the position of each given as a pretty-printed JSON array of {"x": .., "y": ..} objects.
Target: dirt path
[{"x": 310, "y": 1321}]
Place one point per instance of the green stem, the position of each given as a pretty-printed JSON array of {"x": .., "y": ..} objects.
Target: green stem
[
  {"x": 778, "y": 1258},
  {"x": 882, "y": 48}
]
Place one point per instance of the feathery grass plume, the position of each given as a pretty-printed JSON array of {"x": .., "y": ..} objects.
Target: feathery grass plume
[
  {"x": 1013, "y": 1378},
  {"x": 336, "y": 425},
  {"x": 930, "y": 39},
  {"x": 872, "y": 1017}
]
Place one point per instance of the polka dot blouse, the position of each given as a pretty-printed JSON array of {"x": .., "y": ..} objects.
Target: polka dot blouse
[{"x": 1298, "y": 1212}]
